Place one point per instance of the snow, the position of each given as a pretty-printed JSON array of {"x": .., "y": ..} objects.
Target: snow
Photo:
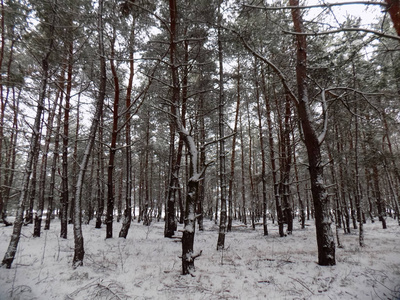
[{"x": 147, "y": 266}]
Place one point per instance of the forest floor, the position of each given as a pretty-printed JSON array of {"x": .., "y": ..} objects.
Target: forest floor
[{"x": 146, "y": 265}]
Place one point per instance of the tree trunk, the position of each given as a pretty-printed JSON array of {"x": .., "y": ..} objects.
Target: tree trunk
[
  {"x": 393, "y": 7},
  {"x": 127, "y": 219},
  {"x": 325, "y": 240},
  {"x": 170, "y": 225},
  {"x": 232, "y": 175},
  {"x": 79, "y": 251},
  {"x": 100, "y": 177},
  {"x": 221, "y": 131},
  {"x": 272, "y": 158},
  {"x": 244, "y": 210},
  {"x": 43, "y": 172},
  {"x": 263, "y": 159},
  {"x": 113, "y": 145},
  {"x": 50, "y": 198},
  {"x": 378, "y": 198},
  {"x": 202, "y": 162}
]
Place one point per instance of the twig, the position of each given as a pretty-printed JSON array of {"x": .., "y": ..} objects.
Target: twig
[{"x": 303, "y": 284}]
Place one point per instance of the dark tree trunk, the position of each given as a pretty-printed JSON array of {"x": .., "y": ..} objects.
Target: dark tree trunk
[
  {"x": 170, "y": 225},
  {"x": 202, "y": 162},
  {"x": 393, "y": 7},
  {"x": 273, "y": 159},
  {"x": 380, "y": 204},
  {"x": 262, "y": 150},
  {"x": 243, "y": 180},
  {"x": 100, "y": 178},
  {"x": 221, "y": 131},
  {"x": 43, "y": 172},
  {"x": 50, "y": 198},
  {"x": 232, "y": 175},
  {"x": 325, "y": 240},
  {"x": 127, "y": 218},
  {"x": 113, "y": 145}
]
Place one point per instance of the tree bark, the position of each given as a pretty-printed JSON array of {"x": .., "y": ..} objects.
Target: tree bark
[
  {"x": 127, "y": 219},
  {"x": 325, "y": 240},
  {"x": 272, "y": 158},
  {"x": 113, "y": 145},
  {"x": 394, "y": 12},
  {"x": 43, "y": 172},
  {"x": 55, "y": 157},
  {"x": 79, "y": 251},
  {"x": 232, "y": 175},
  {"x": 262, "y": 150},
  {"x": 221, "y": 131}
]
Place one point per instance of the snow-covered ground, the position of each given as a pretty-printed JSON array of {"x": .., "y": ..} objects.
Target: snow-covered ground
[{"x": 147, "y": 266}]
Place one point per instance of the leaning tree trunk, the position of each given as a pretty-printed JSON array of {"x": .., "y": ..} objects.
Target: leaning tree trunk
[
  {"x": 33, "y": 148},
  {"x": 79, "y": 251},
  {"x": 325, "y": 240}
]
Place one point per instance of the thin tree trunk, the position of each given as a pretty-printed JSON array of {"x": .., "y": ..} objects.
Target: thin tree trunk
[
  {"x": 100, "y": 177},
  {"x": 127, "y": 219},
  {"x": 263, "y": 159},
  {"x": 202, "y": 162},
  {"x": 244, "y": 212},
  {"x": 79, "y": 251},
  {"x": 272, "y": 158},
  {"x": 221, "y": 131},
  {"x": 232, "y": 175},
  {"x": 43, "y": 172},
  {"x": 113, "y": 145},
  {"x": 50, "y": 198},
  {"x": 378, "y": 198},
  {"x": 65, "y": 137}
]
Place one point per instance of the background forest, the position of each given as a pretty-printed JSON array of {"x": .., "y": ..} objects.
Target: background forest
[{"x": 254, "y": 112}]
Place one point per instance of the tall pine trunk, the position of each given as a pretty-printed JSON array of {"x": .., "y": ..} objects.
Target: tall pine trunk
[
  {"x": 232, "y": 174},
  {"x": 113, "y": 145},
  {"x": 127, "y": 219},
  {"x": 325, "y": 240},
  {"x": 79, "y": 251},
  {"x": 221, "y": 131},
  {"x": 262, "y": 150}
]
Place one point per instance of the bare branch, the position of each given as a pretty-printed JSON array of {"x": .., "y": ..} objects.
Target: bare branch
[
  {"x": 323, "y": 5},
  {"x": 378, "y": 33}
]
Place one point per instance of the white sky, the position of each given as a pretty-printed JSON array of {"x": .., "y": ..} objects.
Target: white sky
[{"x": 367, "y": 12}]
